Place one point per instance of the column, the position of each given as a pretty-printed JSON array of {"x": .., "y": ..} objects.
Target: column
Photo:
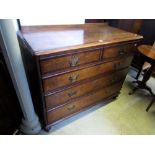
[{"x": 11, "y": 51}]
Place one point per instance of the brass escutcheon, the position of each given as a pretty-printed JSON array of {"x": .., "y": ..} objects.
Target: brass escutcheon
[
  {"x": 71, "y": 107},
  {"x": 72, "y": 93},
  {"x": 73, "y": 78},
  {"x": 74, "y": 61}
]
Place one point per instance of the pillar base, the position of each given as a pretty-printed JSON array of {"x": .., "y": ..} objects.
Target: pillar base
[{"x": 30, "y": 127}]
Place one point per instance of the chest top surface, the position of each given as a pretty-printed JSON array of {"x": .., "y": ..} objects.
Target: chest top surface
[{"x": 52, "y": 39}]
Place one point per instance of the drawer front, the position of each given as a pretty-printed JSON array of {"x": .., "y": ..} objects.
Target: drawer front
[
  {"x": 72, "y": 60},
  {"x": 82, "y": 103},
  {"x": 75, "y": 76},
  {"x": 117, "y": 51},
  {"x": 59, "y": 98}
]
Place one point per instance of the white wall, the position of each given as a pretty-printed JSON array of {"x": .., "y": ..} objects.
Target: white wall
[
  {"x": 15, "y": 24},
  {"x": 47, "y": 22},
  {"x": 51, "y": 21}
]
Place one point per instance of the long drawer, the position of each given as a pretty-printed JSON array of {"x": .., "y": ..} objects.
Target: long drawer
[
  {"x": 54, "y": 82},
  {"x": 70, "y": 60},
  {"x": 80, "y": 104},
  {"x": 55, "y": 99},
  {"x": 120, "y": 51}
]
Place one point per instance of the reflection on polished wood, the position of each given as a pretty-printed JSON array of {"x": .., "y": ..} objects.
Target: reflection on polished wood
[
  {"x": 148, "y": 51},
  {"x": 72, "y": 67},
  {"x": 53, "y": 39}
]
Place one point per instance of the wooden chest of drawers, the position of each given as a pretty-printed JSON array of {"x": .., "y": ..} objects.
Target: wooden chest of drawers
[{"x": 72, "y": 67}]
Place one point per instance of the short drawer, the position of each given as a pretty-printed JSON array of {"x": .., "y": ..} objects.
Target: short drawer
[
  {"x": 71, "y": 60},
  {"x": 120, "y": 51},
  {"x": 54, "y": 82},
  {"x": 59, "y": 98},
  {"x": 78, "y": 105}
]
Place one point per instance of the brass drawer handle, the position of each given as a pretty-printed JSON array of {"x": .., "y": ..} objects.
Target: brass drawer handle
[
  {"x": 73, "y": 78},
  {"x": 71, "y": 107},
  {"x": 74, "y": 61},
  {"x": 72, "y": 93}
]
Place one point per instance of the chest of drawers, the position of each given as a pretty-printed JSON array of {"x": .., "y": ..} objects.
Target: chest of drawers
[{"x": 72, "y": 67}]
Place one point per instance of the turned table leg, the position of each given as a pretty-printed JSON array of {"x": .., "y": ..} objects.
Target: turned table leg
[{"x": 142, "y": 84}]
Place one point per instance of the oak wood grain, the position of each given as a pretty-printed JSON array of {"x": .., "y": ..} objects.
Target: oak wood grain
[
  {"x": 56, "y": 99},
  {"x": 69, "y": 78},
  {"x": 84, "y": 102},
  {"x": 74, "y": 66},
  {"x": 45, "y": 40},
  {"x": 70, "y": 60},
  {"x": 117, "y": 51}
]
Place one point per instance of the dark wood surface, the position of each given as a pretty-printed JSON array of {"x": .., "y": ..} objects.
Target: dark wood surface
[
  {"x": 75, "y": 66},
  {"x": 147, "y": 50},
  {"x": 52, "y": 39},
  {"x": 70, "y": 60},
  {"x": 118, "y": 51},
  {"x": 144, "y": 27},
  {"x": 148, "y": 54},
  {"x": 53, "y": 82},
  {"x": 130, "y": 25},
  {"x": 84, "y": 102},
  {"x": 58, "y": 98}
]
